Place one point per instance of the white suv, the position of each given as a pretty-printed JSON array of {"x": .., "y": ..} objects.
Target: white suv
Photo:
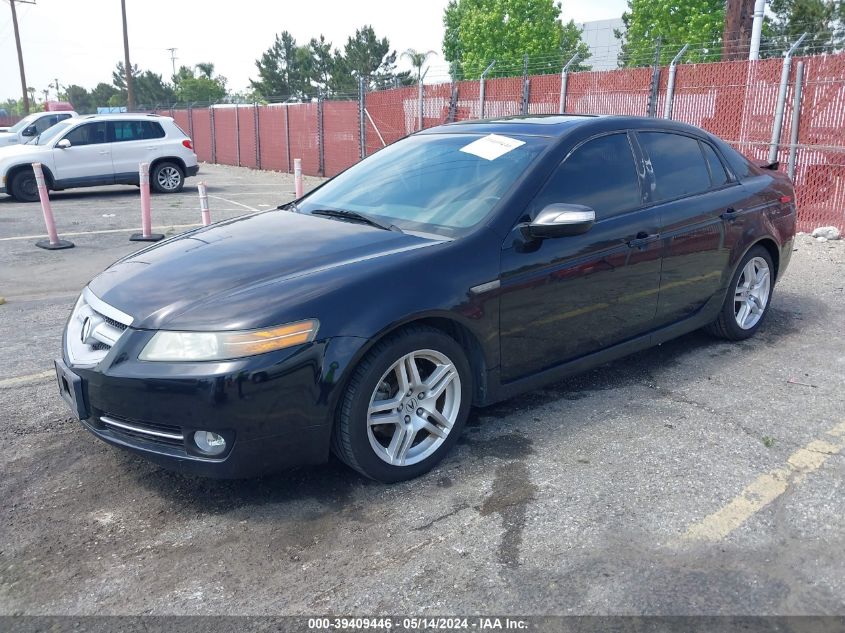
[
  {"x": 31, "y": 126},
  {"x": 95, "y": 150}
]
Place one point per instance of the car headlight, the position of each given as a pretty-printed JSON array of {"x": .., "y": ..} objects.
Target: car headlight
[{"x": 199, "y": 346}]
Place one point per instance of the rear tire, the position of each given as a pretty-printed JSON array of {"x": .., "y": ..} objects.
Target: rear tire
[
  {"x": 748, "y": 299},
  {"x": 24, "y": 187},
  {"x": 405, "y": 405},
  {"x": 167, "y": 177}
]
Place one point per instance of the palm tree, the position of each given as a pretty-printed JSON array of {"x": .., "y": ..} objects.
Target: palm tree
[
  {"x": 206, "y": 69},
  {"x": 417, "y": 60}
]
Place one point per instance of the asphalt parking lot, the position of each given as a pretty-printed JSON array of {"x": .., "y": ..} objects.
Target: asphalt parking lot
[{"x": 700, "y": 477}]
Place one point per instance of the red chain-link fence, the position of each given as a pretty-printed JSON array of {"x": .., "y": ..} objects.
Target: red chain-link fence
[{"x": 734, "y": 100}]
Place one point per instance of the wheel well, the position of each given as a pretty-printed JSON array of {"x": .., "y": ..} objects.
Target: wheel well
[
  {"x": 169, "y": 159},
  {"x": 771, "y": 246},
  {"x": 14, "y": 171},
  {"x": 462, "y": 335}
]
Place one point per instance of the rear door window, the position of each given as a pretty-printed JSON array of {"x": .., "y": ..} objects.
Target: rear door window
[
  {"x": 600, "y": 174},
  {"x": 718, "y": 175},
  {"x": 135, "y": 131},
  {"x": 678, "y": 164}
]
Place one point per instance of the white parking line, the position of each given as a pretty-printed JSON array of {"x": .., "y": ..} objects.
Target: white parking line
[
  {"x": 103, "y": 231},
  {"x": 245, "y": 206},
  {"x": 22, "y": 380}
]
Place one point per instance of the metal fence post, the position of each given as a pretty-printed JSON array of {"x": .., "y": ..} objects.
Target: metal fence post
[
  {"x": 238, "y": 134},
  {"x": 213, "y": 134},
  {"x": 796, "y": 118},
  {"x": 362, "y": 129},
  {"x": 257, "y": 135},
  {"x": 525, "y": 85},
  {"x": 453, "y": 104},
  {"x": 321, "y": 138},
  {"x": 777, "y": 126},
  {"x": 655, "y": 81},
  {"x": 564, "y": 80},
  {"x": 191, "y": 123},
  {"x": 287, "y": 134},
  {"x": 670, "y": 87},
  {"x": 481, "y": 89},
  {"x": 420, "y": 98}
]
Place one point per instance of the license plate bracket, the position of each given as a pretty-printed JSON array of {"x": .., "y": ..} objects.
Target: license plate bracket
[{"x": 70, "y": 388}]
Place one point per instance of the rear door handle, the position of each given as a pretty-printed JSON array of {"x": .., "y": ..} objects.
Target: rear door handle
[{"x": 642, "y": 239}]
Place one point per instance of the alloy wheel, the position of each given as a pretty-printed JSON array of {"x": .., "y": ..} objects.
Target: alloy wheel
[
  {"x": 413, "y": 408},
  {"x": 169, "y": 178},
  {"x": 752, "y": 293}
]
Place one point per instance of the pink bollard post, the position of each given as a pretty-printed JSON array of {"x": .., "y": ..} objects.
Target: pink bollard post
[
  {"x": 147, "y": 234},
  {"x": 53, "y": 243},
  {"x": 297, "y": 178},
  {"x": 206, "y": 214}
]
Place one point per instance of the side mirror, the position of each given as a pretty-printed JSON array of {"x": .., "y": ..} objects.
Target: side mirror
[
  {"x": 28, "y": 131},
  {"x": 63, "y": 144},
  {"x": 560, "y": 220}
]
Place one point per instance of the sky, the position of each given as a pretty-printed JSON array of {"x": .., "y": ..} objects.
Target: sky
[{"x": 80, "y": 41}]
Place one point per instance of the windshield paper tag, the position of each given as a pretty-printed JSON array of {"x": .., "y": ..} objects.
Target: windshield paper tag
[{"x": 492, "y": 146}]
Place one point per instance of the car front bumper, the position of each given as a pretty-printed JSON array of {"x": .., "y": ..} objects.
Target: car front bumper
[{"x": 275, "y": 410}]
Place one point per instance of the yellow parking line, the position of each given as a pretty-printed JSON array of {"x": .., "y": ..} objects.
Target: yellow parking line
[
  {"x": 767, "y": 487},
  {"x": 22, "y": 380}
]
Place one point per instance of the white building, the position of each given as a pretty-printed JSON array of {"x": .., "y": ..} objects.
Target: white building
[{"x": 604, "y": 47}]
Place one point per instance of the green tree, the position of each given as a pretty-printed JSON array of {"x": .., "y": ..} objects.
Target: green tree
[
  {"x": 150, "y": 90},
  {"x": 478, "y": 32},
  {"x": 280, "y": 70},
  {"x": 101, "y": 95},
  {"x": 81, "y": 99},
  {"x": 822, "y": 20},
  {"x": 365, "y": 55},
  {"x": 418, "y": 60},
  {"x": 699, "y": 23},
  {"x": 200, "y": 87}
]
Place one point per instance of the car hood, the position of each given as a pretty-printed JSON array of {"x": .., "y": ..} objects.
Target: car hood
[
  {"x": 20, "y": 150},
  {"x": 190, "y": 271}
]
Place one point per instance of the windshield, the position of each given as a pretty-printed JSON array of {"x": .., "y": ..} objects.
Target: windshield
[
  {"x": 52, "y": 132},
  {"x": 439, "y": 183},
  {"x": 17, "y": 127}
]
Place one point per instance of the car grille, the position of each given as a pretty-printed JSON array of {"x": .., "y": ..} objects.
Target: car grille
[
  {"x": 93, "y": 329},
  {"x": 158, "y": 433}
]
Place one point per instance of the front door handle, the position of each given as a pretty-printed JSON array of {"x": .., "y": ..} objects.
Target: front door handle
[{"x": 642, "y": 239}]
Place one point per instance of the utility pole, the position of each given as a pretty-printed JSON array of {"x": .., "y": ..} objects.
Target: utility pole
[
  {"x": 130, "y": 90},
  {"x": 737, "y": 34},
  {"x": 173, "y": 59},
  {"x": 20, "y": 53}
]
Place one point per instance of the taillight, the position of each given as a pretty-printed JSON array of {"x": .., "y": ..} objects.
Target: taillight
[
  {"x": 785, "y": 199},
  {"x": 187, "y": 143}
]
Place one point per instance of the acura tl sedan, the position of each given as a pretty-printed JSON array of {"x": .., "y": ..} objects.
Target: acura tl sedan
[{"x": 457, "y": 267}]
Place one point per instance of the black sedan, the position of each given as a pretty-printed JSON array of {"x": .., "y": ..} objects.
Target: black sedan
[{"x": 460, "y": 266}]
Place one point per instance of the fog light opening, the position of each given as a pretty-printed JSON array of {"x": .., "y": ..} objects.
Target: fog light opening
[{"x": 209, "y": 443}]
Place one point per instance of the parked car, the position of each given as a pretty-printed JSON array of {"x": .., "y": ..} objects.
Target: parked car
[
  {"x": 458, "y": 267},
  {"x": 97, "y": 150},
  {"x": 31, "y": 126}
]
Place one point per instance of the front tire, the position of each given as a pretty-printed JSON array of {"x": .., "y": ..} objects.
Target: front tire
[
  {"x": 405, "y": 406},
  {"x": 24, "y": 186},
  {"x": 167, "y": 177},
  {"x": 748, "y": 299}
]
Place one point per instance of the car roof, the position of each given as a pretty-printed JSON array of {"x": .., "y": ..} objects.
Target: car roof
[
  {"x": 558, "y": 125},
  {"x": 132, "y": 116}
]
